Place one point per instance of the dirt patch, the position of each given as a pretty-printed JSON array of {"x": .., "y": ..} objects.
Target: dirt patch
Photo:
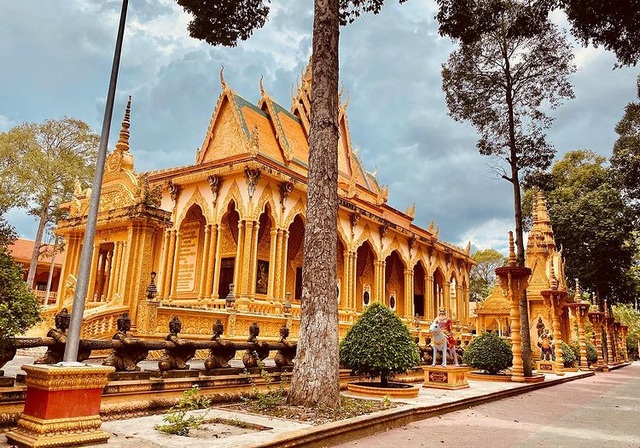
[{"x": 219, "y": 428}]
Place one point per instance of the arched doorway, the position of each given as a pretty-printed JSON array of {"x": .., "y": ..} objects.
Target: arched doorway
[
  {"x": 419, "y": 290},
  {"x": 364, "y": 276},
  {"x": 394, "y": 283},
  {"x": 228, "y": 249}
]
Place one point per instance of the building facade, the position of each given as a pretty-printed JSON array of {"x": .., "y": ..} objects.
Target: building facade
[{"x": 233, "y": 223}]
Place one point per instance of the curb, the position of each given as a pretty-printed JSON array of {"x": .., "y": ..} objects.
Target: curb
[{"x": 334, "y": 433}]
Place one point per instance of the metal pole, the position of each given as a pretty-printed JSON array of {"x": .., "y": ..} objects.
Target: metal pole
[{"x": 73, "y": 339}]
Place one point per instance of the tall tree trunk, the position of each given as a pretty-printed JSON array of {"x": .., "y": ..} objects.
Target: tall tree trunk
[
  {"x": 35, "y": 254},
  {"x": 315, "y": 381}
]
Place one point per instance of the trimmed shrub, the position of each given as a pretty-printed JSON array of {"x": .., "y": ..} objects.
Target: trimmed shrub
[
  {"x": 592, "y": 353},
  {"x": 378, "y": 345},
  {"x": 488, "y": 352},
  {"x": 568, "y": 355}
]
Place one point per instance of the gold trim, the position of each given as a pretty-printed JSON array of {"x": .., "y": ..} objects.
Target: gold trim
[{"x": 55, "y": 378}]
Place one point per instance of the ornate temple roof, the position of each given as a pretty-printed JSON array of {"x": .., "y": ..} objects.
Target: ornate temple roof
[{"x": 238, "y": 128}]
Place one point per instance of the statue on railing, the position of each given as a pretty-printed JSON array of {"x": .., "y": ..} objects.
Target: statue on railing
[
  {"x": 222, "y": 352},
  {"x": 253, "y": 357},
  {"x": 55, "y": 352},
  {"x": 132, "y": 351},
  {"x": 286, "y": 353},
  {"x": 176, "y": 358}
]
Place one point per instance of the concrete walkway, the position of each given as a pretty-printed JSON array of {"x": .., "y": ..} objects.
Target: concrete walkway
[
  {"x": 602, "y": 410},
  {"x": 140, "y": 432}
]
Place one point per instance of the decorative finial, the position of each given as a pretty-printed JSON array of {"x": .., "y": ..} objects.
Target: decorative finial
[
  {"x": 341, "y": 90},
  {"x": 578, "y": 295},
  {"x": 223, "y": 83},
  {"x": 123, "y": 140},
  {"x": 512, "y": 252},
  {"x": 262, "y": 91},
  {"x": 553, "y": 281}
]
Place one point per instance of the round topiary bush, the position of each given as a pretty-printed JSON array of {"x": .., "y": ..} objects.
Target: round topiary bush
[
  {"x": 592, "y": 353},
  {"x": 568, "y": 355},
  {"x": 488, "y": 352},
  {"x": 378, "y": 345}
]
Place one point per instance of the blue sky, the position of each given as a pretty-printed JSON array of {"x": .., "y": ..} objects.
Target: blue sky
[{"x": 57, "y": 56}]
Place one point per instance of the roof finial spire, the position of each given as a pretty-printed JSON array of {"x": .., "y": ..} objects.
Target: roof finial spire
[
  {"x": 262, "y": 91},
  {"x": 553, "y": 281},
  {"x": 578, "y": 295},
  {"x": 123, "y": 140},
  {"x": 222, "y": 81},
  {"x": 512, "y": 252}
]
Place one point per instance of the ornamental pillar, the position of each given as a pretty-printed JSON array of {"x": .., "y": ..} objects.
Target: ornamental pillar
[
  {"x": 217, "y": 266},
  {"x": 271, "y": 286},
  {"x": 285, "y": 251},
  {"x": 204, "y": 268},
  {"x": 597, "y": 319},
  {"x": 237, "y": 271},
  {"x": 608, "y": 328},
  {"x": 429, "y": 298},
  {"x": 408, "y": 294},
  {"x": 581, "y": 311},
  {"x": 211, "y": 262},
  {"x": 624, "y": 329},
  {"x": 514, "y": 280},
  {"x": 378, "y": 280},
  {"x": 175, "y": 266}
]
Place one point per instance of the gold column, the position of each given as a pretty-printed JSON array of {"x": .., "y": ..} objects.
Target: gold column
[
  {"x": 353, "y": 281},
  {"x": 378, "y": 280},
  {"x": 253, "y": 263},
  {"x": 113, "y": 271},
  {"x": 582, "y": 310},
  {"x": 408, "y": 293},
  {"x": 204, "y": 267},
  {"x": 285, "y": 250},
  {"x": 216, "y": 270},
  {"x": 271, "y": 288},
  {"x": 94, "y": 270},
  {"x": 428, "y": 297},
  {"x": 596, "y": 320},
  {"x": 513, "y": 279},
  {"x": 175, "y": 266},
  {"x": 608, "y": 328},
  {"x": 625, "y": 354},
  {"x": 277, "y": 267},
  {"x": 245, "y": 290},
  {"x": 211, "y": 262},
  {"x": 556, "y": 311},
  {"x": 167, "y": 273},
  {"x": 237, "y": 271}
]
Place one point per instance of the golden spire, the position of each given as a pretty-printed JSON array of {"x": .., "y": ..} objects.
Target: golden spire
[
  {"x": 123, "y": 140},
  {"x": 578, "y": 295},
  {"x": 512, "y": 252}
]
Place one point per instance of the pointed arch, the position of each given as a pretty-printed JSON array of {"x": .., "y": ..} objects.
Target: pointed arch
[
  {"x": 297, "y": 210},
  {"x": 198, "y": 199},
  {"x": 233, "y": 195},
  {"x": 394, "y": 281}
]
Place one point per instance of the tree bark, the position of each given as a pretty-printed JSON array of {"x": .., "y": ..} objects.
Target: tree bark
[
  {"x": 315, "y": 381},
  {"x": 35, "y": 254}
]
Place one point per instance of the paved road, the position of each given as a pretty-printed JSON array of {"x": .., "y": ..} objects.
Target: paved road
[{"x": 602, "y": 410}]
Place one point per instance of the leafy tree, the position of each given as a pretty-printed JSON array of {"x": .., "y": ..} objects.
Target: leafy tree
[
  {"x": 483, "y": 274},
  {"x": 50, "y": 156},
  {"x": 379, "y": 345},
  {"x": 503, "y": 83},
  {"x": 612, "y": 24},
  {"x": 315, "y": 381},
  {"x": 568, "y": 355},
  {"x": 488, "y": 352},
  {"x": 593, "y": 225},
  {"x": 625, "y": 160},
  {"x": 19, "y": 309},
  {"x": 630, "y": 317}
]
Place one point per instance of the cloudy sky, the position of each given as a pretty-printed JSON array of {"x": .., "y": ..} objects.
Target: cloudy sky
[{"x": 57, "y": 56}]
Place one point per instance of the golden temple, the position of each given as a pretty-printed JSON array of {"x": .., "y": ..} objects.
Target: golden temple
[{"x": 231, "y": 226}]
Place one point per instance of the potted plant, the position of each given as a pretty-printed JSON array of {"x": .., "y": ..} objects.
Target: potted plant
[
  {"x": 490, "y": 354},
  {"x": 379, "y": 345}
]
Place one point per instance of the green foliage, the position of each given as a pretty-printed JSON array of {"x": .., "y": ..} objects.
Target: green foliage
[
  {"x": 483, "y": 273},
  {"x": 627, "y": 315},
  {"x": 488, "y": 352},
  {"x": 593, "y": 21},
  {"x": 269, "y": 399},
  {"x": 19, "y": 309},
  {"x": 592, "y": 353},
  {"x": 568, "y": 355},
  {"x": 593, "y": 225},
  {"x": 176, "y": 420},
  {"x": 378, "y": 345},
  {"x": 625, "y": 160}
]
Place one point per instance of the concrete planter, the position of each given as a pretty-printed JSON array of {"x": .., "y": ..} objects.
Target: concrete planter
[{"x": 373, "y": 389}]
